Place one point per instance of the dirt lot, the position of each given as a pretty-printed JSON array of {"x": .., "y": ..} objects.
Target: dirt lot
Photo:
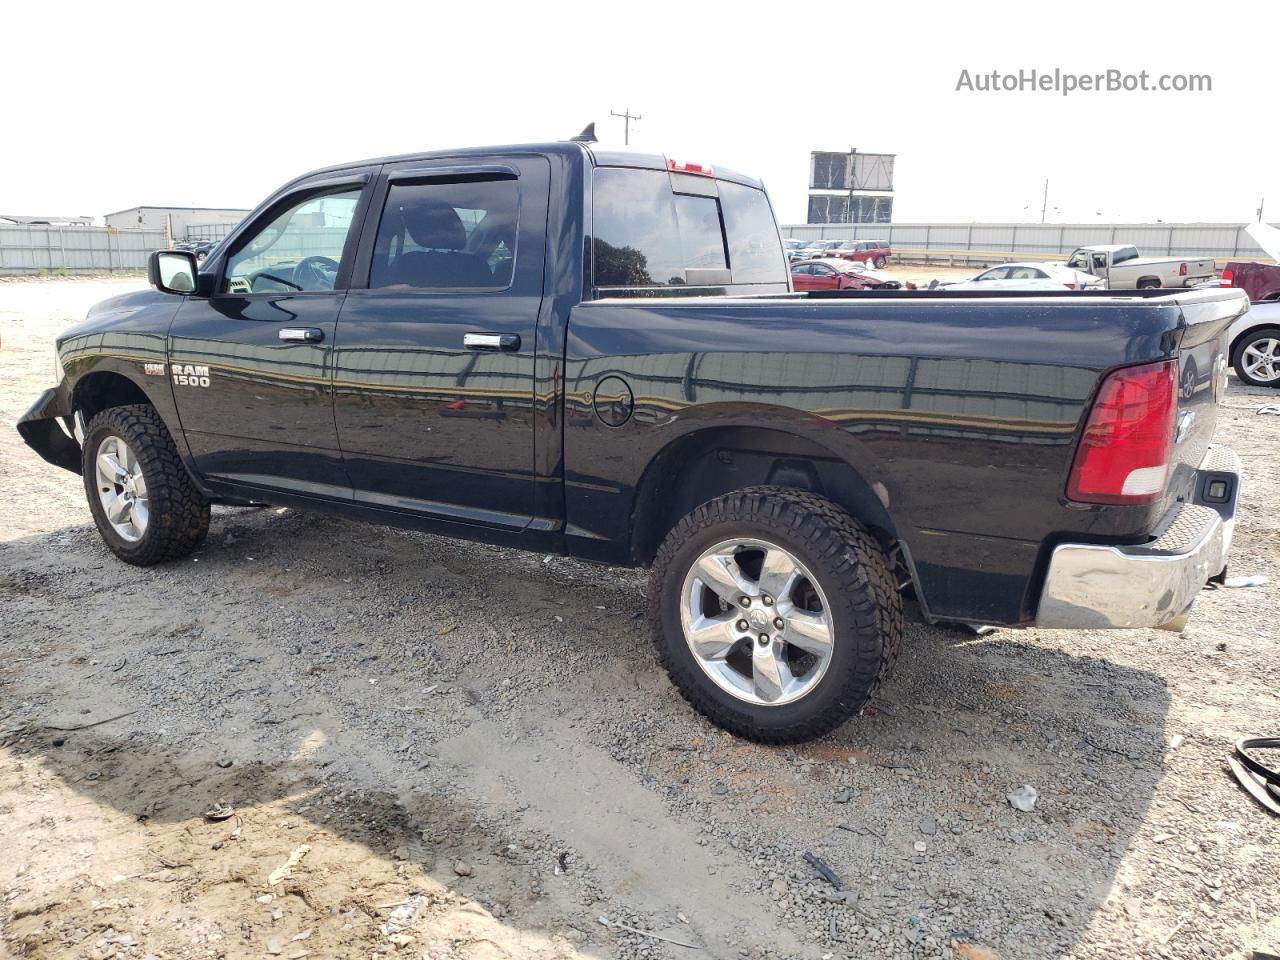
[{"x": 466, "y": 752}]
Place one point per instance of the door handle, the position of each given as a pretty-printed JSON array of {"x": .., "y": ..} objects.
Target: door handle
[
  {"x": 491, "y": 341},
  {"x": 301, "y": 334}
]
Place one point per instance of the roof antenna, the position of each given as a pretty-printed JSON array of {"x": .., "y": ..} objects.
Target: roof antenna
[{"x": 588, "y": 134}]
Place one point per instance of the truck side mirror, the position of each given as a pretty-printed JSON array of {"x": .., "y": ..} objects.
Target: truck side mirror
[{"x": 172, "y": 271}]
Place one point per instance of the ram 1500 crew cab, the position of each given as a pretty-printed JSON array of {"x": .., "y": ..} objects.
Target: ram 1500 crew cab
[{"x": 570, "y": 349}]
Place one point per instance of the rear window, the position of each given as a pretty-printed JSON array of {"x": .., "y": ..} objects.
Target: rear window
[
  {"x": 647, "y": 235},
  {"x": 1125, "y": 253}
]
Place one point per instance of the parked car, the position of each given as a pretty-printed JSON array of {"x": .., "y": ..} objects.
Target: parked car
[
  {"x": 791, "y": 247},
  {"x": 877, "y": 252},
  {"x": 811, "y": 249},
  {"x": 836, "y": 274},
  {"x": 1255, "y": 337},
  {"x": 530, "y": 346},
  {"x": 1122, "y": 268},
  {"x": 1029, "y": 276},
  {"x": 201, "y": 248},
  {"x": 1255, "y": 345}
]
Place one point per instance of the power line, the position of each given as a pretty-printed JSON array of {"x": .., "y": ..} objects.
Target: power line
[{"x": 627, "y": 116}]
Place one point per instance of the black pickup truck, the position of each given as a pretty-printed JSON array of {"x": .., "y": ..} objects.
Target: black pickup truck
[{"x": 569, "y": 349}]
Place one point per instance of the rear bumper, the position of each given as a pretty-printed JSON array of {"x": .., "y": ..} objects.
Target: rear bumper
[
  {"x": 40, "y": 429},
  {"x": 1147, "y": 585}
]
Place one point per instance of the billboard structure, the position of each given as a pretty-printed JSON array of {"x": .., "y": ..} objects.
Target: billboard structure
[{"x": 850, "y": 187}]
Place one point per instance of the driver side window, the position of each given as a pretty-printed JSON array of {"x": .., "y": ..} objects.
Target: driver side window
[{"x": 298, "y": 250}]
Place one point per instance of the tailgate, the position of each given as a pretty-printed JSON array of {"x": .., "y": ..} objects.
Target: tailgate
[{"x": 1202, "y": 377}]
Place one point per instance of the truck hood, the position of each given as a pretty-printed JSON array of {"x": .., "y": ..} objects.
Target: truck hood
[{"x": 1267, "y": 237}]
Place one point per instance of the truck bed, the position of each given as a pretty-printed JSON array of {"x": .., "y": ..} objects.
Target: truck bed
[{"x": 959, "y": 412}]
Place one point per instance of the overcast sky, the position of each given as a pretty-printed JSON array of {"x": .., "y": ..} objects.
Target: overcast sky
[{"x": 109, "y": 106}]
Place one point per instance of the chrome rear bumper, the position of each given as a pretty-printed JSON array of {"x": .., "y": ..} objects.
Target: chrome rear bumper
[{"x": 1151, "y": 584}]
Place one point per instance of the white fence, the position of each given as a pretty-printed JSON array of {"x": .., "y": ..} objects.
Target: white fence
[
  {"x": 43, "y": 249},
  {"x": 993, "y": 241}
]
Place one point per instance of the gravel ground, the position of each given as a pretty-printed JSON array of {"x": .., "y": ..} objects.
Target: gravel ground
[{"x": 470, "y": 752}]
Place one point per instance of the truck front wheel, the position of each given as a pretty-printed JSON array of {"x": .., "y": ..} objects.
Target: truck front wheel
[
  {"x": 141, "y": 496},
  {"x": 775, "y": 613}
]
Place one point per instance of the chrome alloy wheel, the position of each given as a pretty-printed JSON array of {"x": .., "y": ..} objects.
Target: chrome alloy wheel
[
  {"x": 1261, "y": 359},
  {"x": 122, "y": 489},
  {"x": 756, "y": 621}
]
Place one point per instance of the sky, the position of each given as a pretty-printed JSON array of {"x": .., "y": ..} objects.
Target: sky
[{"x": 110, "y": 106}]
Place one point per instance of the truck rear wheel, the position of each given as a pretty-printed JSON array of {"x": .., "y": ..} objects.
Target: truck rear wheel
[
  {"x": 143, "y": 500},
  {"x": 775, "y": 613}
]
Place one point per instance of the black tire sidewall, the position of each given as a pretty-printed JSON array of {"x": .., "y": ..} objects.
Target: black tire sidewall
[
  {"x": 832, "y": 692},
  {"x": 99, "y": 430}
]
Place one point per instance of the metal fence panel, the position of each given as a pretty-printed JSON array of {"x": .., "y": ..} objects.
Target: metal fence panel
[
  {"x": 993, "y": 241},
  {"x": 40, "y": 248}
]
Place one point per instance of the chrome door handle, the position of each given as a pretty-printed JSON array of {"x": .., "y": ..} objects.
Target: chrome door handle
[
  {"x": 491, "y": 341},
  {"x": 301, "y": 334}
]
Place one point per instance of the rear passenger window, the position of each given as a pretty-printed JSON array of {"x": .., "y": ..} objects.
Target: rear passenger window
[{"x": 447, "y": 235}]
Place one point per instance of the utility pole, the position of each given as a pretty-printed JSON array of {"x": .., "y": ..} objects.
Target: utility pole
[
  {"x": 853, "y": 183},
  {"x": 627, "y": 116},
  {"x": 1045, "y": 206}
]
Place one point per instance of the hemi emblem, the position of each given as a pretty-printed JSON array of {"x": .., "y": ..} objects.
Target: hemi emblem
[{"x": 153, "y": 369}]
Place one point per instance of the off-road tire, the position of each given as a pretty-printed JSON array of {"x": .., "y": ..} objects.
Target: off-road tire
[
  {"x": 854, "y": 573},
  {"x": 179, "y": 513}
]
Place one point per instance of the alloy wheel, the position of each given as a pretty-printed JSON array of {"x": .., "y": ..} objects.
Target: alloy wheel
[
  {"x": 757, "y": 621},
  {"x": 122, "y": 490},
  {"x": 1261, "y": 359}
]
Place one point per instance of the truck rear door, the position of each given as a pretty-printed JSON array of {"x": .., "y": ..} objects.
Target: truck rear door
[{"x": 434, "y": 352}]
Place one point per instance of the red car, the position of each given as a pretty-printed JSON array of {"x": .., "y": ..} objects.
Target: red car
[
  {"x": 835, "y": 275},
  {"x": 877, "y": 251},
  {"x": 1260, "y": 281}
]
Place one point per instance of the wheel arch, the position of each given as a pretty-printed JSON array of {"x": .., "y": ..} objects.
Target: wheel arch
[
  {"x": 708, "y": 462},
  {"x": 101, "y": 390}
]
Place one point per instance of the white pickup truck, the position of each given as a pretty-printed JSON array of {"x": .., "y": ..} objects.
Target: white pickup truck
[{"x": 1122, "y": 268}]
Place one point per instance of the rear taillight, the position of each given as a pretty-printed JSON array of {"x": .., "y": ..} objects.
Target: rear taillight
[
  {"x": 1124, "y": 449},
  {"x": 1228, "y": 279},
  {"x": 1182, "y": 269}
]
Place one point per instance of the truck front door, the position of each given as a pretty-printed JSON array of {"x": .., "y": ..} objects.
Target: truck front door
[
  {"x": 434, "y": 360},
  {"x": 250, "y": 363}
]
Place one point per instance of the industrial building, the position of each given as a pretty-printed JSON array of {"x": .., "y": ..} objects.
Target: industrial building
[
  {"x": 850, "y": 187},
  {"x": 179, "y": 223}
]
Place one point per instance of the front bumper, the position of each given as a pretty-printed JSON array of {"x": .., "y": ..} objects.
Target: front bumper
[
  {"x": 42, "y": 432},
  {"x": 1151, "y": 584}
]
